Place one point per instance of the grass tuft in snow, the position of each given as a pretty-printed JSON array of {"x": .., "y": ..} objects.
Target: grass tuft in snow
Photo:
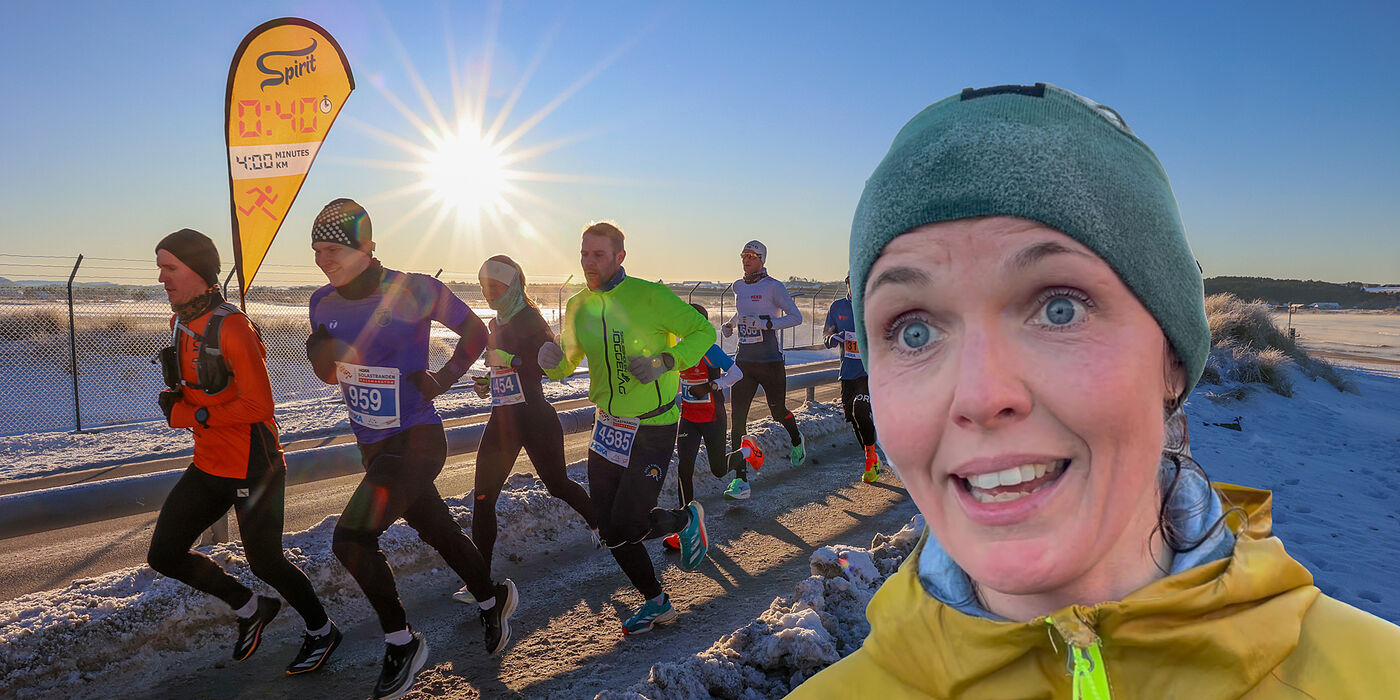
[{"x": 1248, "y": 348}]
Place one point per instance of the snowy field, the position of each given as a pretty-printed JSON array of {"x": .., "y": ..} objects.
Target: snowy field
[
  {"x": 1332, "y": 460},
  {"x": 1372, "y": 334}
]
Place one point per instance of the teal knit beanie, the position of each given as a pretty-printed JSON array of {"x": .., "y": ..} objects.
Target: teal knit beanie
[{"x": 1043, "y": 153}]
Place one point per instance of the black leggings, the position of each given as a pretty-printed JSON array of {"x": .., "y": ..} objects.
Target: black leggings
[
  {"x": 772, "y": 376},
  {"x": 198, "y": 501},
  {"x": 625, "y": 500},
  {"x": 855, "y": 400},
  {"x": 688, "y": 447},
  {"x": 399, "y": 473},
  {"x": 507, "y": 430}
]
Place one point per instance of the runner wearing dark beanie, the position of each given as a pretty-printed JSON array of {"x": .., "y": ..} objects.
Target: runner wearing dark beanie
[{"x": 195, "y": 250}]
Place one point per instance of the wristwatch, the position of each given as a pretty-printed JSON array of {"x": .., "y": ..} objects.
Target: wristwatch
[{"x": 201, "y": 416}]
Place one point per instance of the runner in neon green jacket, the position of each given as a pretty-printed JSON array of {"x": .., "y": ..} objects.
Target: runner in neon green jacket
[{"x": 631, "y": 317}]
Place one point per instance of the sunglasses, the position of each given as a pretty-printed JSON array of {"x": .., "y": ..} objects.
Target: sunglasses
[{"x": 746, "y": 256}]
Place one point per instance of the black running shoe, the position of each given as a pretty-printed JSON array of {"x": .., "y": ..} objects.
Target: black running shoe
[
  {"x": 497, "y": 619},
  {"x": 315, "y": 649},
  {"x": 401, "y": 666},
  {"x": 250, "y": 629}
]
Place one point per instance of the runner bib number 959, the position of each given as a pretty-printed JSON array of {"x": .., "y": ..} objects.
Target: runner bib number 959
[
  {"x": 613, "y": 437},
  {"x": 371, "y": 394},
  {"x": 505, "y": 387}
]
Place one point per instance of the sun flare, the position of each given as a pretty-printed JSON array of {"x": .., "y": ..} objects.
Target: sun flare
[{"x": 466, "y": 174}]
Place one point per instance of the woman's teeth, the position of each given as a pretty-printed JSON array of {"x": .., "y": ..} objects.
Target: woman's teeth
[{"x": 981, "y": 485}]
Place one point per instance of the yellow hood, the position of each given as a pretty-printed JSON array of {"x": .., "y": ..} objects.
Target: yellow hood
[{"x": 1222, "y": 629}]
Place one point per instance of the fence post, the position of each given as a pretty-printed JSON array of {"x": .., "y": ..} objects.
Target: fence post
[
  {"x": 73, "y": 347},
  {"x": 813, "y": 318}
]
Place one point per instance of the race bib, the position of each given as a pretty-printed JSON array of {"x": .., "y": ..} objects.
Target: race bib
[
  {"x": 613, "y": 437},
  {"x": 852, "y": 349},
  {"x": 685, "y": 391},
  {"x": 505, "y": 387},
  {"x": 371, "y": 394},
  {"x": 749, "y": 334}
]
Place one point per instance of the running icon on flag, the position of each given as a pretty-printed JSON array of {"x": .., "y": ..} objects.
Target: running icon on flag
[{"x": 288, "y": 81}]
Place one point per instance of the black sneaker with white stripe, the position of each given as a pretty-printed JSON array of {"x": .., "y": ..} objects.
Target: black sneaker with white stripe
[
  {"x": 497, "y": 619},
  {"x": 401, "y": 665},
  {"x": 315, "y": 649},
  {"x": 250, "y": 628}
]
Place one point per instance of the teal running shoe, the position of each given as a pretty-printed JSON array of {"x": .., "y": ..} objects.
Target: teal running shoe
[
  {"x": 649, "y": 615},
  {"x": 694, "y": 542},
  {"x": 799, "y": 454},
  {"x": 738, "y": 490}
]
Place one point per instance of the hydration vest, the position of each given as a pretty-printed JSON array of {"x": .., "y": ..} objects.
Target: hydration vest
[{"x": 211, "y": 369}]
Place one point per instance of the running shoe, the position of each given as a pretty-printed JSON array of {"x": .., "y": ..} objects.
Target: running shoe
[
  {"x": 738, "y": 490},
  {"x": 672, "y": 541},
  {"x": 799, "y": 454},
  {"x": 250, "y": 628},
  {"x": 649, "y": 615},
  {"x": 694, "y": 542},
  {"x": 497, "y": 619},
  {"x": 464, "y": 596},
  {"x": 315, "y": 649},
  {"x": 872, "y": 466},
  {"x": 755, "y": 457},
  {"x": 402, "y": 662}
]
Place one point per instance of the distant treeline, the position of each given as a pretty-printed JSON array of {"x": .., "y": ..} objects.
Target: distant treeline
[{"x": 1273, "y": 291}]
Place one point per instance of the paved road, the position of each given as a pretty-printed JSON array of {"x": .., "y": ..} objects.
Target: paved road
[{"x": 46, "y": 560}]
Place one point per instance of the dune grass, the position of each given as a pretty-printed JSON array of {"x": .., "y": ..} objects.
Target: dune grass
[{"x": 1247, "y": 347}]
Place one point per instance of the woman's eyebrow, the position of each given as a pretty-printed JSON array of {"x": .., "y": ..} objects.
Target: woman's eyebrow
[
  {"x": 1033, "y": 254},
  {"x": 900, "y": 275}
]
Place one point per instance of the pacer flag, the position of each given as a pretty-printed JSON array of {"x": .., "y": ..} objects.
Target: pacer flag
[{"x": 286, "y": 86}]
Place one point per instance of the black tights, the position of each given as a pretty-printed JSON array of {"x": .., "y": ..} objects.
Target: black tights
[
  {"x": 625, "y": 500},
  {"x": 688, "y": 448},
  {"x": 772, "y": 376}
]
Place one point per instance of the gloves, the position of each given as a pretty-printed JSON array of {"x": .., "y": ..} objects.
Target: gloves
[
  {"x": 499, "y": 359},
  {"x": 648, "y": 368},
  {"x": 482, "y": 385},
  {"x": 833, "y": 336},
  {"x": 700, "y": 391},
  {"x": 727, "y": 329},
  {"x": 550, "y": 355},
  {"x": 168, "y": 399},
  {"x": 431, "y": 384},
  {"x": 321, "y": 352}
]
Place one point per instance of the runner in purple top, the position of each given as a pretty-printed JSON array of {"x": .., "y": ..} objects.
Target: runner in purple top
[{"x": 371, "y": 337}]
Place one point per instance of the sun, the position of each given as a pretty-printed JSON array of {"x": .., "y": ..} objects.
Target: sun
[{"x": 466, "y": 174}]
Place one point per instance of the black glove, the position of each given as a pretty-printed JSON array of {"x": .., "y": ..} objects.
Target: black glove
[
  {"x": 431, "y": 384},
  {"x": 700, "y": 391},
  {"x": 167, "y": 401},
  {"x": 321, "y": 352}
]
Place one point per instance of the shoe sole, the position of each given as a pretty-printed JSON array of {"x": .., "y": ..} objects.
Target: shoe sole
[
  {"x": 464, "y": 598},
  {"x": 335, "y": 644},
  {"x": 511, "y": 602},
  {"x": 686, "y": 564},
  {"x": 419, "y": 659},
  {"x": 743, "y": 496},
  {"x": 661, "y": 619}
]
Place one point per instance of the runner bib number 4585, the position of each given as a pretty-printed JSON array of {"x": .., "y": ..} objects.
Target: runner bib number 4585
[
  {"x": 371, "y": 394},
  {"x": 505, "y": 387},
  {"x": 613, "y": 437}
]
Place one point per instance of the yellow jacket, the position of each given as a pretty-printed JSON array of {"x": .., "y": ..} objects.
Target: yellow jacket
[{"x": 1248, "y": 626}]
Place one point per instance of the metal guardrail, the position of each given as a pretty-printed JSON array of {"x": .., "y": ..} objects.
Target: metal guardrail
[{"x": 79, "y": 504}]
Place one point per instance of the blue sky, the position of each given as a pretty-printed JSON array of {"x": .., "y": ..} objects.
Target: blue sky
[{"x": 703, "y": 124}]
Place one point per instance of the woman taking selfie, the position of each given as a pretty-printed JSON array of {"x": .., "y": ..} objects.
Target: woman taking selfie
[{"x": 1032, "y": 319}]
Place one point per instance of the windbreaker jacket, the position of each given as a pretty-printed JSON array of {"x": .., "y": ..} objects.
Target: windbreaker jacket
[
  {"x": 635, "y": 317},
  {"x": 1251, "y": 625}
]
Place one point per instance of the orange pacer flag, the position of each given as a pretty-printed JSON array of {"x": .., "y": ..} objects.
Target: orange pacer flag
[{"x": 288, "y": 82}]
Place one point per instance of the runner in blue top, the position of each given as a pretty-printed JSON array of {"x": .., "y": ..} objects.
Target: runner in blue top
[
  {"x": 371, "y": 336},
  {"x": 840, "y": 329}
]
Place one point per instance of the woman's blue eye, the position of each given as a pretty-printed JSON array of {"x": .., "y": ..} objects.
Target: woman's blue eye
[
  {"x": 1062, "y": 311},
  {"x": 915, "y": 334}
]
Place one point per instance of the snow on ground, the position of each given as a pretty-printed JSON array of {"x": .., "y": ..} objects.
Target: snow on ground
[
  {"x": 127, "y": 622},
  {"x": 1331, "y": 459},
  {"x": 43, "y": 453}
]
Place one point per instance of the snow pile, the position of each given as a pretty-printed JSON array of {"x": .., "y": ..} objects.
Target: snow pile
[{"x": 822, "y": 622}]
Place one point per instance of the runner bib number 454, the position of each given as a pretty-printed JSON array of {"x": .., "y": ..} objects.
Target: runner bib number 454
[
  {"x": 371, "y": 394},
  {"x": 613, "y": 437},
  {"x": 505, "y": 387}
]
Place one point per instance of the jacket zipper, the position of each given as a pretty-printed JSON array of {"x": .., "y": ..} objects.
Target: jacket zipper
[{"x": 607, "y": 351}]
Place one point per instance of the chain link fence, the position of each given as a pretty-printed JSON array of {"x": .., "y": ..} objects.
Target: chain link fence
[{"x": 94, "y": 366}]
